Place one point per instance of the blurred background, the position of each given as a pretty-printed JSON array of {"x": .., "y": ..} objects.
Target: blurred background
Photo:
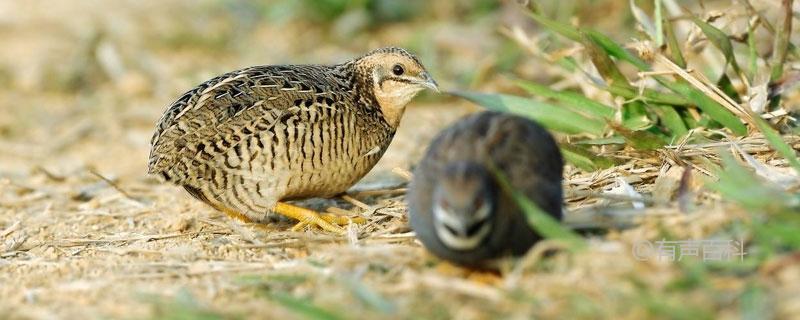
[
  {"x": 105, "y": 70},
  {"x": 83, "y": 82}
]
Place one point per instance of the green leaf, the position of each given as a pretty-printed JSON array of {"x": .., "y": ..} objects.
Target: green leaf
[
  {"x": 647, "y": 95},
  {"x": 783, "y": 37},
  {"x": 567, "y": 63},
  {"x": 565, "y": 30},
  {"x": 738, "y": 184},
  {"x": 605, "y": 66},
  {"x": 774, "y": 139},
  {"x": 719, "y": 39},
  {"x": 689, "y": 119},
  {"x": 583, "y": 159},
  {"x": 544, "y": 224},
  {"x": 780, "y": 231},
  {"x": 550, "y": 116},
  {"x": 671, "y": 119},
  {"x": 602, "y": 141},
  {"x": 659, "y": 24},
  {"x": 642, "y": 140},
  {"x": 726, "y": 86},
  {"x": 674, "y": 46},
  {"x": 645, "y": 22},
  {"x": 634, "y": 116},
  {"x": 615, "y": 50},
  {"x": 710, "y": 107},
  {"x": 574, "y": 99},
  {"x": 752, "y": 53}
]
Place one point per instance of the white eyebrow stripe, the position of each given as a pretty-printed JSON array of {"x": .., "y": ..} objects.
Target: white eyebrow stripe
[{"x": 483, "y": 212}]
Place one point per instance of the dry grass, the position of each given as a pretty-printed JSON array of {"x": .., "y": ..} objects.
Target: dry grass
[{"x": 86, "y": 235}]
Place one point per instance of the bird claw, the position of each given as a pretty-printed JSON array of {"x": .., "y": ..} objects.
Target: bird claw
[{"x": 307, "y": 217}]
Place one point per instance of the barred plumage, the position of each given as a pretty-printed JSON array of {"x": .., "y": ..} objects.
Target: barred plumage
[{"x": 249, "y": 138}]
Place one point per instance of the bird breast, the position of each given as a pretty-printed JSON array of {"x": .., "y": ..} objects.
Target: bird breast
[{"x": 312, "y": 154}]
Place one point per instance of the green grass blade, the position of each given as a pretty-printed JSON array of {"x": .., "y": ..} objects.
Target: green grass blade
[
  {"x": 642, "y": 140},
  {"x": 738, "y": 184},
  {"x": 648, "y": 95},
  {"x": 659, "y": 24},
  {"x": 635, "y": 117},
  {"x": 783, "y": 36},
  {"x": 583, "y": 159},
  {"x": 752, "y": 53},
  {"x": 676, "y": 54},
  {"x": 303, "y": 308},
  {"x": 720, "y": 40},
  {"x": 645, "y": 22},
  {"x": 563, "y": 29},
  {"x": 544, "y": 224},
  {"x": 774, "y": 139},
  {"x": 671, "y": 119},
  {"x": 579, "y": 161},
  {"x": 710, "y": 107},
  {"x": 567, "y": 97},
  {"x": 727, "y": 87},
  {"x": 605, "y": 66},
  {"x": 601, "y": 141},
  {"x": 550, "y": 116},
  {"x": 615, "y": 50}
]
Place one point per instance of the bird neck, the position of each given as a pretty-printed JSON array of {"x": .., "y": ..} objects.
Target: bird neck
[{"x": 360, "y": 78}]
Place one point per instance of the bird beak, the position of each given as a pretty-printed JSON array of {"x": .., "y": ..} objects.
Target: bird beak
[{"x": 429, "y": 82}]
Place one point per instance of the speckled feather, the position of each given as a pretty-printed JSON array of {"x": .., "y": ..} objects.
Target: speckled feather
[{"x": 248, "y": 138}]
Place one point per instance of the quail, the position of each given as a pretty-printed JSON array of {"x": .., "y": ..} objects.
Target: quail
[
  {"x": 456, "y": 206},
  {"x": 248, "y": 141}
]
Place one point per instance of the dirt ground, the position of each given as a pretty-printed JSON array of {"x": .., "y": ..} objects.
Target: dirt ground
[{"x": 86, "y": 234}]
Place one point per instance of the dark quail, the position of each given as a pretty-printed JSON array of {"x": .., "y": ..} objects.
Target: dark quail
[
  {"x": 456, "y": 205},
  {"x": 246, "y": 141}
]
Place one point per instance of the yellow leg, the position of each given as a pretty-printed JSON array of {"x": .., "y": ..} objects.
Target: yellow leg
[
  {"x": 306, "y": 217},
  {"x": 234, "y": 214},
  {"x": 333, "y": 219}
]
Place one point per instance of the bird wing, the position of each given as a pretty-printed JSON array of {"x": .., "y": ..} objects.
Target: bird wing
[{"x": 222, "y": 111}]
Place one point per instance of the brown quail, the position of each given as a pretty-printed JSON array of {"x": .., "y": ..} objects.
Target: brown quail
[
  {"x": 246, "y": 141},
  {"x": 456, "y": 206}
]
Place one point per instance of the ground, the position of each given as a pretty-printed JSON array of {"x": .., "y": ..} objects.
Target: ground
[{"x": 87, "y": 234}]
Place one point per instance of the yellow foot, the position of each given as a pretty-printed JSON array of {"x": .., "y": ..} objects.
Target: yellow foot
[
  {"x": 342, "y": 220},
  {"x": 307, "y": 217},
  {"x": 333, "y": 219}
]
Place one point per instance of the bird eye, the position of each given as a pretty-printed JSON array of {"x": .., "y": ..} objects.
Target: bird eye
[{"x": 398, "y": 70}]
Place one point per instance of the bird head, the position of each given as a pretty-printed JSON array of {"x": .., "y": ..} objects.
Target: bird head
[
  {"x": 464, "y": 203},
  {"x": 395, "y": 76}
]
